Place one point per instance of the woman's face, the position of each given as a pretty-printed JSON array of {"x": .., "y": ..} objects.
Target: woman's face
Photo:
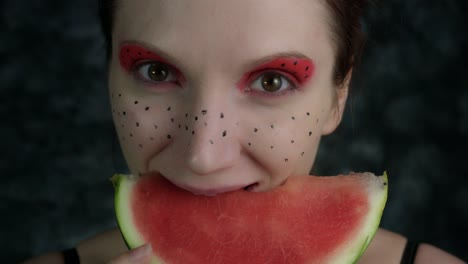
[{"x": 220, "y": 95}]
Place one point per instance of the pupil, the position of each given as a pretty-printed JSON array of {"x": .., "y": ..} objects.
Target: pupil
[
  {"x": 271, "y": 82},
  {"x": 157, "y": 72}
]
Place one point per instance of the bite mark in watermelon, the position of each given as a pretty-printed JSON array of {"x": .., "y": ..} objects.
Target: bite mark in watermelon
[{"x": 310, "y": 219}]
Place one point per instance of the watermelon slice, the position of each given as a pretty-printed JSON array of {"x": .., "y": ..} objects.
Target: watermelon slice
[{"x": 310, "y": 219}]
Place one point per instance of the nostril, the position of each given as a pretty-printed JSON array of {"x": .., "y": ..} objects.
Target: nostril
[{"x": 250, "y": 187}]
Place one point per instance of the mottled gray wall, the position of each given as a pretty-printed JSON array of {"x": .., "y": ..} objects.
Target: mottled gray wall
[{"x": 408, "y": 115}]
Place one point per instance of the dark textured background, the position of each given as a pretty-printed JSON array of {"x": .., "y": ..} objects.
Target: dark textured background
[{"x": 408, "y": 115}]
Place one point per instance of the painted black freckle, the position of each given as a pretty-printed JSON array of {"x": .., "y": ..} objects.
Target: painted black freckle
[
  {"x": 186, "y": 128},
  {"x": 282, "y": 65},
  {"x": 120, "y": 95},
  {"x": 272, "y": 126},
  {"x": 250, "y": 144},
  {"x": 221, "y": 115},
  {"x": 186, "y": 115},
  {"x": 307, "y": 76},
  {"x": 172, "y": 120},
  {"x": 169, "y": 137},
  {"x": 293, "y": 118},
  {"x": 302, "y": 154},
  {"x": 136, "y": 102},
  {"x": 196, "y": 118},
  {"x": 131, "y": 135},
  {"x": 180, "y": 125},
  {"x": 317, "y": 120},
  {"x": 151, "y": 138},
  {"x": 169, "y": 108},
  {"x": 193, "y": 132},
  {"x": 140, "y": 145},
  {"x": 286, "y": 160},
  {"x": 224, "y": 133},
  {"x": 204, "y": 112},
  {"x": 308, "y": 113},
  {"x": 123, "y": 126},
  {"x": 155, "y": 127},
  {"x": 211, "y": 142},
  {"x": 124, "y": 113},
  {"x": 147, "y": 108},
  {"x": 205, "y": 124},
  {"x": 295, "y": 63},
  {"x": 384, "y": 183},
  {"x": 272, "y": 147},
  {"x": 137, "y": 124},
  {"x": 255, "y": 129},
  {"x": 292, "y": 141},
  {"x": 310, "y": 133}
]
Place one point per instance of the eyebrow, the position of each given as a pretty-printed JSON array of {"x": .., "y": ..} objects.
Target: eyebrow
[{"x": 249, "y": 65}]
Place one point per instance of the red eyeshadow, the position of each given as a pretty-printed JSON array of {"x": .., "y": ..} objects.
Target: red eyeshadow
[
  {"x": 131, "y": 53},
  {"x": 302, "y": 69}
]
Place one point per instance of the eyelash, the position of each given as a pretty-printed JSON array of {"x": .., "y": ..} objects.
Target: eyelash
[{"x": 254, "y": 77}]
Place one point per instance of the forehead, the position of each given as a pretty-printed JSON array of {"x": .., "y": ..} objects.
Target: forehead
[{"x": 226, "y": 30}]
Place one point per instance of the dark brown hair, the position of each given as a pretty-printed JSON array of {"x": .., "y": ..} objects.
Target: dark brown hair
[{"x": 345, "y": 23}]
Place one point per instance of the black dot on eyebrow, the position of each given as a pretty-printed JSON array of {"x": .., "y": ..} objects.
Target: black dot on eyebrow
[
  {"x": 196, "y": 118},
  {"x": 204, "y": 112},
  {"x": 221, "y": 115},
  {"x": 211, "y": 142},
  {"x": 286, "y": 160},
  {"x": 224, "y": 133},
  {"x": 282, "y": 65},
  {"x": 169, "y": 108},
  {"x": 147, "y": 108},
  {"x": 293, "y": 118},
  {"x": 295, "y": 63},
  {"x": 255, "y": 129},
  {"x": 169, "y": 137},
  {"x": 308, "y": 113},
  {"x": 307, "y": 68},
  {"x": 136, "y": 102},
  {"x": 137, "y": 124},
  {"x": 310, "y": 133}
]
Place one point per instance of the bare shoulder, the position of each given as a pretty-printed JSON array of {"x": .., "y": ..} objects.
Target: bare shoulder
[
  {"x": 387, "y": 248},
  {"x": 101, "y": 247}
]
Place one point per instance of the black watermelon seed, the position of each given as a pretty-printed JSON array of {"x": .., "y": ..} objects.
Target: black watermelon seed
[
  {"x": 310, "y": 133},
  {"x": 255, "y": 130},
  {"x": 204, "y": 112},
  {"x": 169, "y": 137},
  {"x": 224, "y": 133},
  {"x": 211, "y": 142},
  {"x": 139, "y": 53},
  {"x": 295, "y": 63},
  {"x": 169, "y": 108},
  {"x": 221, "y": 115},
  {"x": 146, "y": 108},
  {"x": 282, "y": 65},
  {"x": 136, "y": 102},
  {"x": 307, "y": 68},
  {"x": 307, "y": 76}
]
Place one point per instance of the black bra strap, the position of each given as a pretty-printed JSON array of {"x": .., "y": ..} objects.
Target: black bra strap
[
  {"x": 409, "y": 253},
  {"x": 71, "y": 256}
]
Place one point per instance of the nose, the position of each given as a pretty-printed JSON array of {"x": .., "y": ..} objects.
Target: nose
[{"x": 214, "y": 143}]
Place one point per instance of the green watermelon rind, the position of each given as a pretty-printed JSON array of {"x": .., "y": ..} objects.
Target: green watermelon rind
[{"x": 378, "y": 196}]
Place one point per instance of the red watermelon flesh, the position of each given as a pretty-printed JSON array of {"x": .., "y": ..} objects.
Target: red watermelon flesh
[{"x": 310, "y": 219}]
